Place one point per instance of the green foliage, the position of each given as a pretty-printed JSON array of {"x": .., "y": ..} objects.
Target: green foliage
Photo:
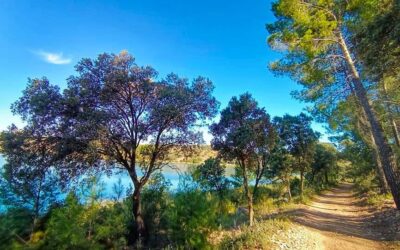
[
  {"x": 113, "y": 106},
  {"x": 378, "y": 200},
  {"x": 211, "y": 176},
  {"x": 66, "y": 228},
  {"x": 111, "y": 225},
  {"x": 343, "y": 53},
  {"x": 299, "y": 140},
  {"x": 282, "y": 163},
  {"x": 87, "y": 221},
  {"x": 27, "y": 179},
  {"x": 15, "y": 224},
  {"x": 297, "y": 136},
  {"x": 376, "y": 37},
  {"x": 115, "y": 113},
  {"x": 360, "y": 156},
  {"x": 246, "y": 135},
  {"x": 324, "y": 170},
  {"x": 156, "y": 204},
  {"x": 295, "y": 186},
  {"x": 366, "y": 182},
  {"x": 243, "y": 130},
  {"x": 192, "y": 217}
]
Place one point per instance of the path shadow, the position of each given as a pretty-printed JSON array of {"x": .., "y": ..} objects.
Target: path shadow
[{"x": 341, "y": 216}]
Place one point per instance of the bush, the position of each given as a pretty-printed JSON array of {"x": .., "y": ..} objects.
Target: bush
[
  {"x": 14, "y": 225},
  {"x": 92, "y": 226},
  {"x": 366, "y": 183},
  {"x": 111, "y": 225},
  {"x": 65, "y": 229},
  {"x": 295, "y": 186},
  {"x": 258, "y": 236},
  {"x": 156, "y": 202},
  {"x": 192, "y": 216}
]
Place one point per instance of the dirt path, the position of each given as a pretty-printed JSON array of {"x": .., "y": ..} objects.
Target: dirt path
[{"x": 338, "y": 223}]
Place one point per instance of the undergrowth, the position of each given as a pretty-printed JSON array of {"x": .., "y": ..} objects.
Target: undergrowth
[{"x": 259, "y": 236}]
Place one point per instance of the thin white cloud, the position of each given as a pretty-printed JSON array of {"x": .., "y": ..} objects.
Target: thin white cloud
[{"x": 53, "y": 58}]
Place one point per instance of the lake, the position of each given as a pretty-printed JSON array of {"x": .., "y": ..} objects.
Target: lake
[{"x": 172, "y": 174}]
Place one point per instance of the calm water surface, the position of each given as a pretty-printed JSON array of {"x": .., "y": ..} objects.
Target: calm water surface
[{"x": 172, "y": 174}]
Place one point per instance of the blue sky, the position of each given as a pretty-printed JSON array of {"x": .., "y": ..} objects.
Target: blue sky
[{"x": 222, "y": 40}]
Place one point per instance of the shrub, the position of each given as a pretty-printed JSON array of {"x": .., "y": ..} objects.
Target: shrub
[
  {"x": 111, "y": 225},
  {"x": 259, "y": 236},
  {"x": 295, "y": 186},
  {"x": 192, "y": 216},
  {"x": 156, "y": 201},
  {"x": 14, "y": 224},
  {"x": 65, "y": 229},
  {"x": 366, "y": 183}
]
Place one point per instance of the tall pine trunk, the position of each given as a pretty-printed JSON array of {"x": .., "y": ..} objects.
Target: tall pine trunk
[
  {"x": 385, "y": 151},
  {"x": 379, "y": 167},
  {"x": 375, "y": 152}
]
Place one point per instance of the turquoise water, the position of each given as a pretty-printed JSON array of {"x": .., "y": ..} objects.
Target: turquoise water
[{"x": 172, "y": 174}]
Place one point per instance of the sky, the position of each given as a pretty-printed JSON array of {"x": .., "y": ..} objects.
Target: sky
[{"x": 222, "y": 40}]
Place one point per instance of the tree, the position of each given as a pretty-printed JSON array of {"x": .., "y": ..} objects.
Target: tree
[
  {"x": 28, "y": 179},
  {"x": 114, "y": 114},
  {"x": 246, "y": 135},
  {"x": 299, "y": 139},
  {"x": 211, "y": 176},
  {"x": 378, "y": 47},
  {"x": 376, "y": 37},
  {"x": 317, "y": 38},
  {"x": 361, "y": 159},
  {"x": 324, "y": 162},
  {"x": 353, "y": 126},
  {"x": 282, "y": 165}
]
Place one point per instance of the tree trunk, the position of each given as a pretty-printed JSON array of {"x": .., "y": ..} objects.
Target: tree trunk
[
  {"x": 288, "y": 189},
  {"x": 390, "y": 116},
  {"x": 312, "y": 175},
  {"x": 255, "y": 188},
  {"x": 385, "y": 152},
  {"x": 248, "y": 195},
  {"x": 379, "y": 168},
  {"x": 140, "y": 229},
  {"x": 36, "y": 208},
  {"x": 375, "y": 153},
  {"x": 395, "y": 130},
  {"x": 301, "y": 183},
  {"x": 259, "y": 175},
  {"x": 326, "y": 177}
]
